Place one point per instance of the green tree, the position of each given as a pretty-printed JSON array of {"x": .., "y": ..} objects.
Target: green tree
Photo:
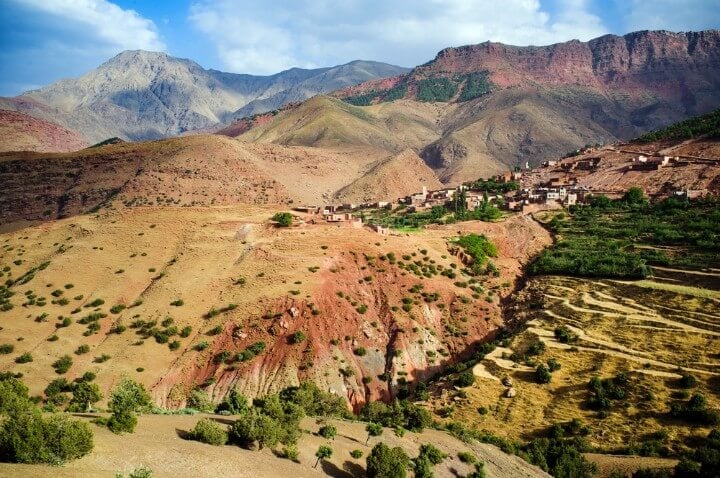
[
  {"x": 85, "y": 394},
  {"x": 283, "y": 219},
  {"x": 126, "y": 399},
  {"x": 256, "y": 427},
  {"x": 384, "y": 462},
  {"x": 542, "y": 374},
  {"x": 328, "y": 432},
  {"x": 234, "y": 403},
  {"x": 634, "y": 196},
  {"x": 324, "y": 452},
  {"x": 373, "y": 430}
]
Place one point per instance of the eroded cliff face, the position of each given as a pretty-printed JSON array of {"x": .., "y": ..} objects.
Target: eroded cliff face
[
  {"x": 640, "y": 60},
  {"x": 369, "y": 325}
]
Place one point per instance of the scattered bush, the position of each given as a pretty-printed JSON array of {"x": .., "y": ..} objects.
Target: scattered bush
[{"x": 210, "y": 432}]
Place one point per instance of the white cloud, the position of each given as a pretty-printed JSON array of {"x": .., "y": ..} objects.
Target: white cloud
[
  {"x": 116, "y": 29},
  {"x": 253, "y": 37}
]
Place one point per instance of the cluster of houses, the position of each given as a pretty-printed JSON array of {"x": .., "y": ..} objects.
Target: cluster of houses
[{"x": 652, "y": 163}]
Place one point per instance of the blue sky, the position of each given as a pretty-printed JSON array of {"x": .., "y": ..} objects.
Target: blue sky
[{"x": 42, "y": 41}]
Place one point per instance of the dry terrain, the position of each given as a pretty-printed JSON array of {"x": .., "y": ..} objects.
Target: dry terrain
[
  {"x": 21, "y": 132},
  {"x": 201, "y": 170},
  {"x": 335, "y": 284},
  {"x": 698, "y": 168},
  {"x": 156, "y": 445}
]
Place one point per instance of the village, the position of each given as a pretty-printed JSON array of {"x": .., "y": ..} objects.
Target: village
[{"x": 552, "y": 185}]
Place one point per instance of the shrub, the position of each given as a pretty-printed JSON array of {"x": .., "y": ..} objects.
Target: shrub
[
  {"x": 200, "y": 400},
  {"x": 283, "y": 219},
  {"x": 83, "y": 349},
  {"x": 357, "y": 454},
  {"x": 360, "y": 351},
  {"x": 234, "y": 403},
  {"x": 127, "y": 398},
  {"x": 297, "y": 337},
  {"x": 542, "y": 374},
  {"x": 328, "y": 432},
  {"x": 177, "y": 303},
  {"x": 386, "y": 462},
  {"x": 6, "y": 349},
  {"x": 24, "y": 358},
  {"x": 467, "y": 457},
  {"x": 210, "y": 432},
  {"x": 465, "y": 379},
  {"x": 28, "y": 437}
]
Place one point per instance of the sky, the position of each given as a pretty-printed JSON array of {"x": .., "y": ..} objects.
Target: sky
[{"x": 43, "y": 41}]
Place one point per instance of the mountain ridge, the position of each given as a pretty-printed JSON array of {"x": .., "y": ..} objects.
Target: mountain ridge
[{"x": 140, "y": 95}]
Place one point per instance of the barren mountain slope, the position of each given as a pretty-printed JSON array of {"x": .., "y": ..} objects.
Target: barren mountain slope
[
  {"x": 328, "y": 122},
  {"x": 149, "y": 95},
  {"x": 390, "y": 178},
  {"x": 20, "y": 132},
  {"x": 339, "y": 286},
  {"x": 194, "y": 170}
]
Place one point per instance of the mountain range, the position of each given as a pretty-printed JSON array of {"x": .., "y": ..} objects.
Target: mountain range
[
  {"x": 140, "y": 95},
  {"x": 470, "y": 112},
  {"x": 477, "y": 109}
]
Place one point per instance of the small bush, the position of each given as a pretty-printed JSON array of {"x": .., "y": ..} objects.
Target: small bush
[
  {"x": 63, "y": 364},
  {"x": 210, "y": 432},
  {"x": 297, "y": 337},
  {"x": 357, "y": 454},
  {"x": 24, "y": 358},
  {"x": 6, "y": 349},
  {"x": 83, "y": 349}
]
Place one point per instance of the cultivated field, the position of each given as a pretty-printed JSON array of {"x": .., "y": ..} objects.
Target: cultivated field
[{"x": 652, "y": 330}]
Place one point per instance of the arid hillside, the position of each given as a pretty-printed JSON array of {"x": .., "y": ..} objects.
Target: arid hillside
[
  {"x": 20, "y": 132},
  {"x": 697, "y": 168},
  {"x": 157, "y": 445},
  {"x": 181, "y": 298},
  {"x": 199, "y": 170}
]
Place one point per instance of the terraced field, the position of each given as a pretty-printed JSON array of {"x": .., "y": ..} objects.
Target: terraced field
[{"x": 653, "y": 331}]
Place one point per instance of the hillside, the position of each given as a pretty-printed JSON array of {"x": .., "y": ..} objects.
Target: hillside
[
  {"x": 20, "y": 132},
  {"x": 390, "y": 178},
  {"x": 496, "y": 106},
  {"x": 157, "y": 445},
  {"x": 147, "y": 95},
  {"x": 363, "y": 312}
]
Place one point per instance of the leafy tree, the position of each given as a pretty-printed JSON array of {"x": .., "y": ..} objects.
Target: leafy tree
[
  {"x": 85, "y": 394},
  {"x": 328, "y": 432},
  {"x": 255, "y": 426},
  {"x": 126, "y": 399},
  {"x": 384, "y": 462},
  {"x": 26, "y": 436},
  {"x": 542, "y": 374},
  {"x": 324, "y": 452},
  {"x": 283, "y": 219},
  {"x": 373, "y": 430},
  {"x": 635, "y": 196},
  {"x": 234, "y": 403},
  {"x": 465, "y": 379}
]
